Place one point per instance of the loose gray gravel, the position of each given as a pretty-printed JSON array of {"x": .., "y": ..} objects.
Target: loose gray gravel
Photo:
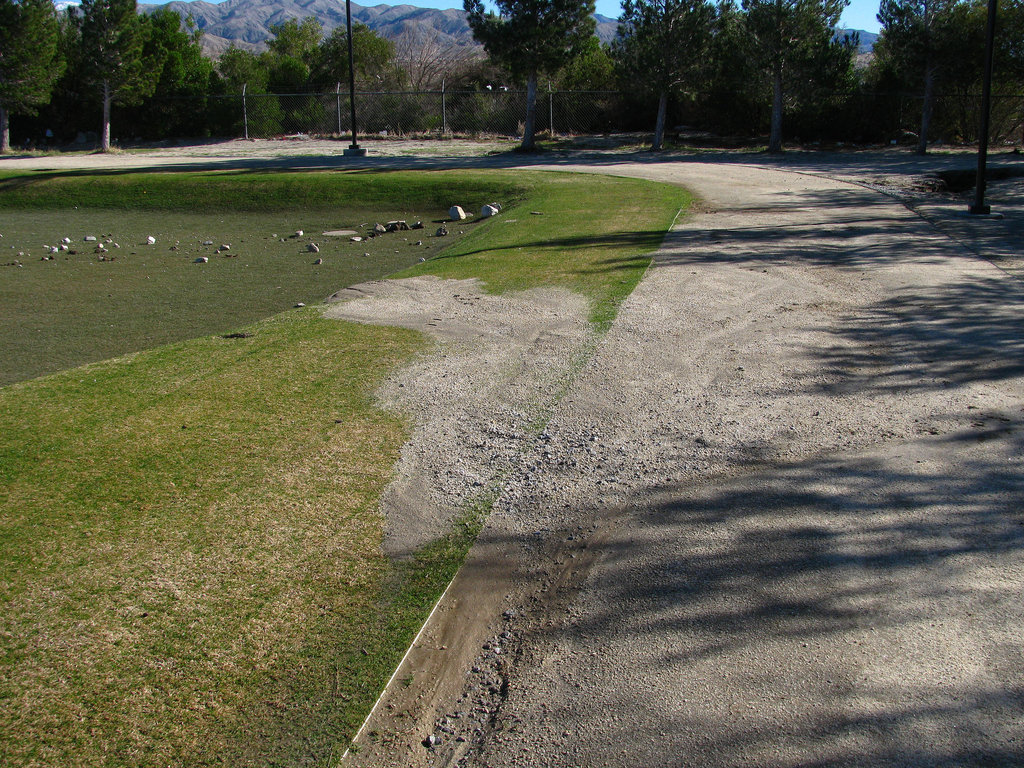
[{"x": 774, "y": 520}]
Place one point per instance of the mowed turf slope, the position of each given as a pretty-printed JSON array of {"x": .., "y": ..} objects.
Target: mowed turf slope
[{"x": 190, "y": 562}]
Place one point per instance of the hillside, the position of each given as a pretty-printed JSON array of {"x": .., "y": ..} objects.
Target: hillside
[{"x": 246, "y": 23}]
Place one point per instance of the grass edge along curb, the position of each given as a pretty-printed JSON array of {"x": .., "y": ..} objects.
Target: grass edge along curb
[
  {"x": 479, "y": 510},
  {"x": 573, "y": 231}
]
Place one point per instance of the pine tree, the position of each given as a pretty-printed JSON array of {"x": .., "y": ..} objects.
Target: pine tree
[
  {"x": 530, "y": 37},
  {"x": 29, "y": 60},
  {"x": 915, "y": 37},
  {"x": 662, "y": 45},
  {"x": 113, "y": 43},
  {"x": 790, "y": 39}
]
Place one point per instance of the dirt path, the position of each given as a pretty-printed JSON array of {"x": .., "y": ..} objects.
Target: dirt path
[{"x": 775, "y": 521}]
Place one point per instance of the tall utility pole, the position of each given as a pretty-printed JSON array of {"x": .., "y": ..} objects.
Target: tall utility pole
[
  {"x": 354, "y": 148},
  {"x": 979, "y": 208}
]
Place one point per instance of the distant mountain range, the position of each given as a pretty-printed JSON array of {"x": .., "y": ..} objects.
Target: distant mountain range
[{"x": 246, "y": 23}]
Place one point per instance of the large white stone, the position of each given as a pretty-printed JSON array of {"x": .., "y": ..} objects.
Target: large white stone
[{"x": 455, "y": 213}]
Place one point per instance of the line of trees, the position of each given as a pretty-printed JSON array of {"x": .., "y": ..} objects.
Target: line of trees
[{"x": 725, "y": 66}]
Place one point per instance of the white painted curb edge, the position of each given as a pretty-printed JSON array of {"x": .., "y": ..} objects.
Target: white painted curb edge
[{"x": 394, "y": 674}]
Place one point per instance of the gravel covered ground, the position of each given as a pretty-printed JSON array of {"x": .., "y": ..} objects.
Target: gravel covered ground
[{"x": 774, "y": 520}]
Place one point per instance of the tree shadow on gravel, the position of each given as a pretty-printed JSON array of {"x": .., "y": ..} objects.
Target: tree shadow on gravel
[
  {"x": 952, "y": 335},
  {"x": 820, "y": 229},
  {"x": 849, "y": 568}
]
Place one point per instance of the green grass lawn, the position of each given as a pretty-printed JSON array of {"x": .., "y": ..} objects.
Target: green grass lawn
[{"x": 190, "y": 561}]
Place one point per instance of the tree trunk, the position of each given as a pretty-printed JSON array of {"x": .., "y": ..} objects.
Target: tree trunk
[
  {"x": 531, "y": 113},
  {"x": 775, "y": 138},
  {"x": 659, "y": 126},
  {"x": 5, "y": 131},
  {"x": 926, "y": 110},
  {"x": 105, "y": 146}
]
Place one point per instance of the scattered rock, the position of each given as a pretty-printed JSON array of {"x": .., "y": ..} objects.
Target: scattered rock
[
  {"x": 207, "y": 242},
  {"x": 379, "y": 229},
  {"x": 455, "y": 213},
  {"x": 536, "y": 213},
  {"x": 90, "y": 238},
  {"x": 422, "y": 260},
  {"x": 489, "y": 210},
  {"x": 442, "y": 231},
  {"x": 417, "y": 225},
  {"x": 224, "y": 247},
  {"x": 419, "y": 242},
  {"x": 300, "y": 304},
  {"x": 298, "y": 233},
  {"x": 150, "y": 240},
  {"x": 366, "y": 254},
  {"x": 313, "y": 248},
  {"x": 357, "y": 239},
  {"x": 201, "y": 260},
  {"x": 66, "y": 240},
  {"x": 318, "y": 262}
]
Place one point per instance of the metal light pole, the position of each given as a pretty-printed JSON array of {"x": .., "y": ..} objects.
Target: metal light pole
[
  {"x": 979, "y": 208},
  {"x": 354, "y": 149}
]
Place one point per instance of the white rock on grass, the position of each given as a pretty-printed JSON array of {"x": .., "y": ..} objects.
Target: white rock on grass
[
  {"x": 150, "y": 240},
  {"x": 489, "y": 210},
  {"x": 455, "y": 213},
  {"x": 313, "y": 248},
  {"x": 201, "y": 260},
  {"x": 90, "y": 238}
]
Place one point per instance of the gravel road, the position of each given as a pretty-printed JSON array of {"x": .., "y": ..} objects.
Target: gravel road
[{"x": 775, "y": 520}]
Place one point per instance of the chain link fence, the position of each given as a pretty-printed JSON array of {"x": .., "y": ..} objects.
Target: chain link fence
[
  {"x": 856, "y": 117},
  {"x": 501, "y": 113}
]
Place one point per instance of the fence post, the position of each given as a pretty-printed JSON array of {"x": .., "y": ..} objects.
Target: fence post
[
  {"x": 337, "y": 94},
  {"x": 444, "y": 111},
  {"x": 551, "y": 111},
  {"x": 245, "y": 112}
]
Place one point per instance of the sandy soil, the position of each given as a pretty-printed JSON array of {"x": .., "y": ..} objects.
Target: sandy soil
[{"x": 500, "y": 364}]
